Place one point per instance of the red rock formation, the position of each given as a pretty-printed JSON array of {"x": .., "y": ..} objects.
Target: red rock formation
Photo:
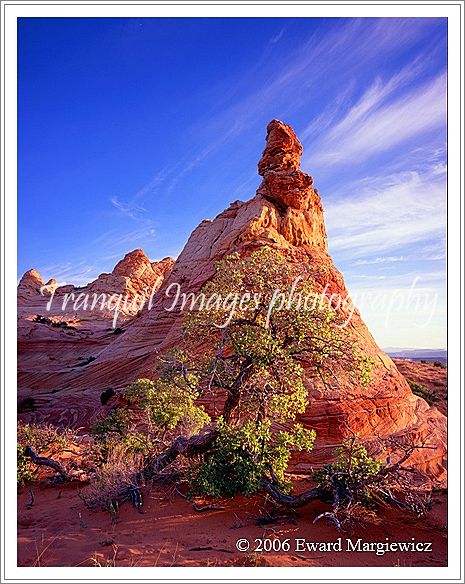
[
  {"x": 53, "y": 350},
  {"x": 285, "y": 213}
]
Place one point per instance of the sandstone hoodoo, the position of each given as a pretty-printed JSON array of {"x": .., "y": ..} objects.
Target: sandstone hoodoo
[{"x": 286, "y": 214}]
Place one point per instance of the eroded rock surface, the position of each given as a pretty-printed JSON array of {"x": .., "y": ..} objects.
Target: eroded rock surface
[{"x": 285, "y": 213}]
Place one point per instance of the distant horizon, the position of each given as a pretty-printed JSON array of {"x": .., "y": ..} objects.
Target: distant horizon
[
  {"x": 414, "y": 349},
  {"x": 134, "y": 146}
]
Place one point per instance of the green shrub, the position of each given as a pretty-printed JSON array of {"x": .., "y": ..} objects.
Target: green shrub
[
  {"x": 242, "y": 456},
  {"x": 352, "y": 472},
  {"x": 167, "y": 405},
  {"x": 44, "y": 439},
  {"x": 117, "y": 422},
  {"x": 155, "y": 409},
  {"x": 25, "y": 473}
]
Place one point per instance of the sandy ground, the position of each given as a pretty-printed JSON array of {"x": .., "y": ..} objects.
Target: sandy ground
[{"x": 58, "y": 530}]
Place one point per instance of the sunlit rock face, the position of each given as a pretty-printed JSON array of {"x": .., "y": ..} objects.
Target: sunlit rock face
[{"x": 286, "y": 213}]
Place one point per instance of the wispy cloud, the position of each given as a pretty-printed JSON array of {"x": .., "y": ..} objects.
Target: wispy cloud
[
  {"x": 78, "y": 273},
  {"x": 388, "y": 213},
  {"x": 380, "y": 260},
  {"x": 132, "y": 211},
  {"x": 113, "y": 238},
  {"x": 278, "y": 36},
  {"x": 375, "y": 124},
  {"x": 320, "y": 61}
]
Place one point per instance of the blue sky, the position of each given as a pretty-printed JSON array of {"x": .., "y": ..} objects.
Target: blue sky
[{"x": 131, "y": 131}]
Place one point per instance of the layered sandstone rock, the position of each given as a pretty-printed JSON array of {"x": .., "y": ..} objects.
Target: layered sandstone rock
[
  {"x": 133, "y": 276},
  {"x": 286, "y": 213},
  {"x": 59, "y": 333}
]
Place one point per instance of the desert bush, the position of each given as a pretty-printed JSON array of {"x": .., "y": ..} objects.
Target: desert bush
[
  {"x": 119, "y": 428},
  {"x": 167, "y": 405},
  {"x": 45, "y": 439},
  {"x": 353, "y": 472},
  {"x": 242, "y": 456},
  {"x": 117, "y": 475},
  {"x": 25, "y": 472},
  {"x": 71, "y": 455},
  {"x": 117, "y": 422},
  {"x": 357, "y": 484},
  {"x": 42, "y": 437},
  {"x": 154, "y": 413}
]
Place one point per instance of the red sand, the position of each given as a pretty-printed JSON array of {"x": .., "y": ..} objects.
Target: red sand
[{"x": 60, "y": 531}]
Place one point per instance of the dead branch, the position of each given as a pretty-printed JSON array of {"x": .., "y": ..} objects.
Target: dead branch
[
  {"x": 193, "y": 446},
  {"x": 329, "y": 515},
  {"x": 30, "y": 503},
  {"x": 197, "y": 507},
  {"x": 293, "y": 501},
  {"x": 44, "y": 461}
]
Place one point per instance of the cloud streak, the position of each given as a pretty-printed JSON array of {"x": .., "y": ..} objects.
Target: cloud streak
[
  {"x": 375, "y": 124},
  {"x": 388, "y": 213}
]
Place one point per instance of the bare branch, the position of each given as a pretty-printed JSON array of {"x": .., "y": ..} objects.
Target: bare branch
[{"x": 44, "y": 461}]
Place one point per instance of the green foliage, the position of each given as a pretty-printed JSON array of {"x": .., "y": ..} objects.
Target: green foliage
[
  {"x": 41, "y": 437},
  {"x": 242, "y": 456},
  {"x": 44, "y": 439},
  {"x": 25, "y": 473},
  {"x": 167, "y": 405},
  {"x": 155, "y": 408},
  {"x": 363, "y": 367},
  {"x": 353, "y": 472},
  {"x": 262, "y": 328},
  {"x": 422, "y": 391},
  {"x": 117, "y": 422}
]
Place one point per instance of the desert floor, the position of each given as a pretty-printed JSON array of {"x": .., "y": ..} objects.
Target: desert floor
[{"x": 58, "y": 530}]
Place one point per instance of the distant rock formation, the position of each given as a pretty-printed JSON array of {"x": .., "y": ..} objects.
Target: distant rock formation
[
  {"x": 134, "y": 275},
  {"x": 286, "y": 213}
]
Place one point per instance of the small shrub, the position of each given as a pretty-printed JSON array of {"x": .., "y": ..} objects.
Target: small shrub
[
  {"x": 117, "y": 422},
  {"x": 45, "y": 440},
  {"x": 167, "y": 405},
  {"x": 352, "y": 472},
  {"x": 25, "y": 473},
  {"x": 42, "y": 437},
  {"x": 357, "y": 483},
  {"x": 120, "y": 472},
  {"x": 156, "y": 409},
  {"x": 242, "y": 456}
]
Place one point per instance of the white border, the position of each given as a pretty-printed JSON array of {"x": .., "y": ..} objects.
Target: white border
[{"x": 452, "y": 12}]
